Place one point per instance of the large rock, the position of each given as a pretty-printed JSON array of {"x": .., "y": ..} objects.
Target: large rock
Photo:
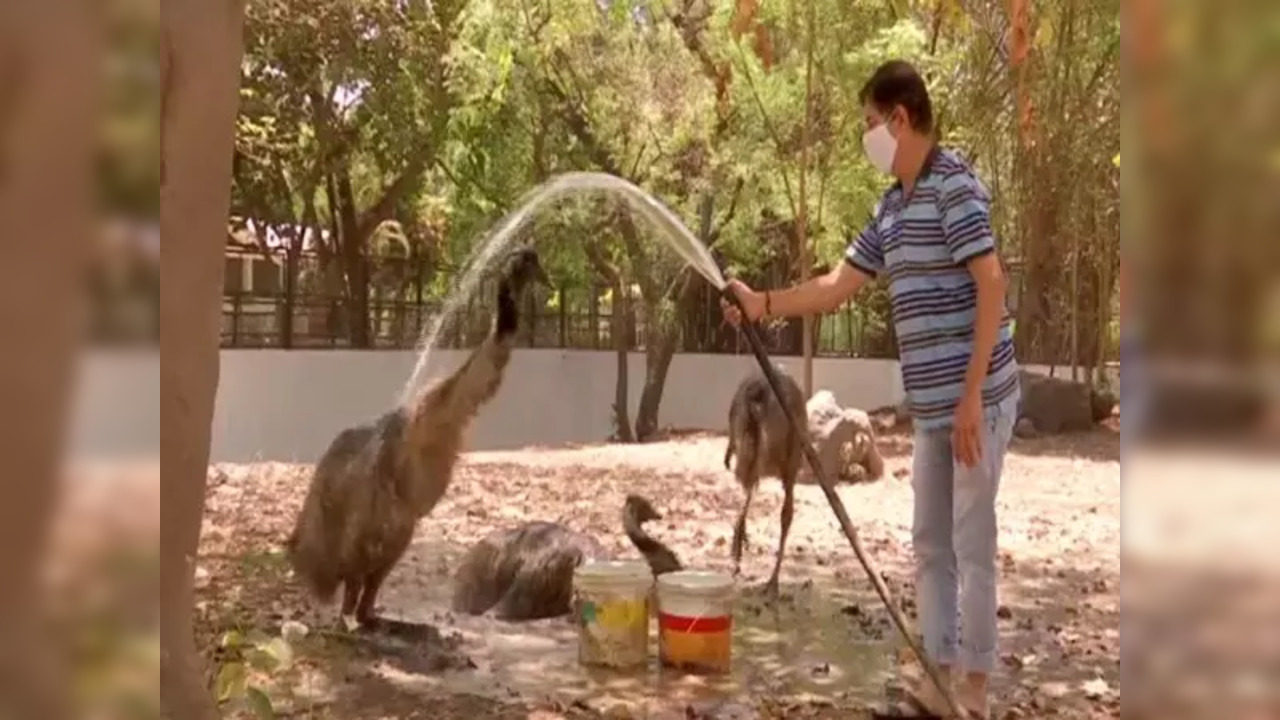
[
  {"x": 1058, "y": 405},
  {"x": 844, "y": 438}
]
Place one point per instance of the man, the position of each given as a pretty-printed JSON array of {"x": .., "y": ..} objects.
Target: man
[{"x": 931, "y": 236}]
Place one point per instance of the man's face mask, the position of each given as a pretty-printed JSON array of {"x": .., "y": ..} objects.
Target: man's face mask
[{"x": 881, "y": 146}]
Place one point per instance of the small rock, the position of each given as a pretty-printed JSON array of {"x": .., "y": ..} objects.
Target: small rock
[
  {"x": 854, "y": 610},
  {"x": 1025, "y": 429},
  {"x": 1003, "y": 612},
  {"x": 293, "y": 630},
  {"x": 822, "y": 670},
  {"x": 1096, "y": 689}
]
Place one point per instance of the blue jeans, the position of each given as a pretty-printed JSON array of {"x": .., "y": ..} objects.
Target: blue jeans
[{"x": 954, "y": 542}]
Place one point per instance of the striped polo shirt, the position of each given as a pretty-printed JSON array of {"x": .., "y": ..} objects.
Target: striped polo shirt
[{"x": 923, "y": 241}]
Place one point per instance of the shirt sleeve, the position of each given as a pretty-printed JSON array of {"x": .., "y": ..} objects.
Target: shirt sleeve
[
  {"x": 966, "y": 217},
  {"x": 866, "y": 252}
]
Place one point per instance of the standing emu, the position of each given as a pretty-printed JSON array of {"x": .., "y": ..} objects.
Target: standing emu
[
  {"x": 526, "y": 573},
  {"x": 766, "y": 445},
  {"x": 376, "y": 480}
]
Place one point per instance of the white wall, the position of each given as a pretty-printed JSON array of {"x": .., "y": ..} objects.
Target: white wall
[{"x": 287, "y": 405}]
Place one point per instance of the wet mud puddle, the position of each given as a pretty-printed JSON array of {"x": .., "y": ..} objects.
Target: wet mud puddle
[{"x": 819, "y": 641}]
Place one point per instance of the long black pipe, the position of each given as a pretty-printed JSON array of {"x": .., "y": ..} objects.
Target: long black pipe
[{"x": 799, "y": 426}]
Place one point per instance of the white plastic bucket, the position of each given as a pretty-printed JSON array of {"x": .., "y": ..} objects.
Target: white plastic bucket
[
  {"x": 611, "y": 604},
  {"x": 695, "y": 621}
]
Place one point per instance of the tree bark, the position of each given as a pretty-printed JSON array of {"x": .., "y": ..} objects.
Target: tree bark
[
  {"x": 49, "y": 55},
  {"x": 355, "y": 257},
  {"x": 620, "y": 328},
  {"x": 205, "y": 45}
]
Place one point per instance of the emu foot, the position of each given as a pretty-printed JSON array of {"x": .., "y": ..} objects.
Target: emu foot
[
  {"x": 770, "y": 589},
  {"x": 401, "y": 630},
  {"x": 412, "y": 647}
]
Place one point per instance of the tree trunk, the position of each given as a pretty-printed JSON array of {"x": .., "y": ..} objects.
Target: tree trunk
[
  {"x": 658, "y": 354},
  {"x": 620, "y": 332},
  {"x": 356, "y": 262},
  {"x": 205, "y": 45},
  {"x": 47, "y": 197},
  {"x": 802, "y": 214},
  {"x": 622, "y": 347},
  {"x": 659, "y": 351}
]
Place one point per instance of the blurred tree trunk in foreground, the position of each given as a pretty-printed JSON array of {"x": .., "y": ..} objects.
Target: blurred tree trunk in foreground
[{"x": 48, "y": 56}]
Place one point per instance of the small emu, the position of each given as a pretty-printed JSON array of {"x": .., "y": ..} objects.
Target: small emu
[
  {"x": 766, "y": 445},
  {"x": 526, "y": 573},
  {"x": 376, "y": 480}
]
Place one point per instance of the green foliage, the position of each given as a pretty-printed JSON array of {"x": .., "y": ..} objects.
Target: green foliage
[
  {"x": 247, "y": 656},
  {"x": 503, "y": 95}
]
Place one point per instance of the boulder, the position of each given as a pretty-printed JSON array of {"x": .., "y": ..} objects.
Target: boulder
[
  {"x": 1058, "y": 405},
  {"x": 1025, "y": 429},
  {"x": 844, "y": 438}
]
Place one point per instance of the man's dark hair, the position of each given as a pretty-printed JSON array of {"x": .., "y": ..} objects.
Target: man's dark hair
[{"x": 897, "y": 82}]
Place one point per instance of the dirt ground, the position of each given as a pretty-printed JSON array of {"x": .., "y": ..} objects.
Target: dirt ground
[{"x": 825, "y": 650}]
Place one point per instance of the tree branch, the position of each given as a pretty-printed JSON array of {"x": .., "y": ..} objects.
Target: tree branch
[{"x": 773, "y": 130}]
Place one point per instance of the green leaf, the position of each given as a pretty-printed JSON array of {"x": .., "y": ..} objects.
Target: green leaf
[
  {"x": 1116, "y": 160},
  {"x": 272, "y": 655},
  {"x": 231, "y": 681},
  {"x": 260, "y": 704},
  {"x": 262, "y": 660},
  {"x": 232, "y": 639}
]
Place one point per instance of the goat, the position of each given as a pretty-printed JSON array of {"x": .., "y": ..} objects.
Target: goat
[
  {"x": 376, "y": 480},
  {"x": 526, "y": 573},
  {"x": 765, "y": 444}
]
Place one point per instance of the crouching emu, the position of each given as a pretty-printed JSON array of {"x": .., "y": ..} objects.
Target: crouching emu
[
  {"x": 376, "y": 480},
  {"x": 766, "y": 444},
  {"x": 526, "y": 573}
]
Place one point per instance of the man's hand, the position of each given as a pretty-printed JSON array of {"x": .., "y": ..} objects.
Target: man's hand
[
  {"x": 966, "y": 432},
  {"x": 752, "y": 302}
]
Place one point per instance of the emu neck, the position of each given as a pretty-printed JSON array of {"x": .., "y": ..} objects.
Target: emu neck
[{"x": 635, "y": 532}]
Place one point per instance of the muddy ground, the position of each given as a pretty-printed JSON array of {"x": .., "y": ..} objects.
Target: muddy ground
[{"x": 826, "y": 650}]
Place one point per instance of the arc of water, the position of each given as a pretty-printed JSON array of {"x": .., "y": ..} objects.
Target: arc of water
[{"x": 654, "y": 213}]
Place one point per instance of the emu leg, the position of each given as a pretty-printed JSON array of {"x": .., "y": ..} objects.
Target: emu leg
[
  {"x": 788, "y": 510},
  {"x": 740, "y": 530},
  {"x": 369, "y": 595},
  {"x": 350, "y": 594}
]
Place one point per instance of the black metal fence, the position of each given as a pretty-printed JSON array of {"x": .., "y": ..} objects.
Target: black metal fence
[{"x": 567, "y": 318}]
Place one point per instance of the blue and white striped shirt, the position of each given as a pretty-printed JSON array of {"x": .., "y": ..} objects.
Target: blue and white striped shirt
[{"x": 923, "y": 241}]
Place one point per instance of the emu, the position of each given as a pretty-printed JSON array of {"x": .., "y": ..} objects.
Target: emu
[
  {"x": 376, "y": 480},
  {"x": 526, "y": 573},
  {"x": 765, "y": 444}
]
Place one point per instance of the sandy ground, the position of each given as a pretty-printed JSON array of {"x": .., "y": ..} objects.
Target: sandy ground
[{"x": 825, "y": 650}]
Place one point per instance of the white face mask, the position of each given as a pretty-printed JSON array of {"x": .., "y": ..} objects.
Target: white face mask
[{"x": 881, "y": 147}]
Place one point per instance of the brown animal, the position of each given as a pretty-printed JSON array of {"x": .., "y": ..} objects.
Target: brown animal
[
  {"x": 526, "y": 573},
  {"x": 766, "y": 444},
  {"x": 376, "y": 480}
]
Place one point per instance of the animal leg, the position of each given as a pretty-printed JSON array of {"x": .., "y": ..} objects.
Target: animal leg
[
  {"x": 740, "y": 530},
  {"x": 369, "y": 596},
  {"x": 788, "y": 510},
  {"x": 350, "y": 594}
]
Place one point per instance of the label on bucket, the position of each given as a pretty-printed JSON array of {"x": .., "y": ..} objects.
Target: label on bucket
[
  {"x": 614, "y": 614},
  {"x": 701, "y": 644},
  {"x": 614, "y": 632}
]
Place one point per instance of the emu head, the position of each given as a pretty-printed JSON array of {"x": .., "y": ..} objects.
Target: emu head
[
  {"x": 521, "y": 267},
  {"x": 640, "y": 509}
]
